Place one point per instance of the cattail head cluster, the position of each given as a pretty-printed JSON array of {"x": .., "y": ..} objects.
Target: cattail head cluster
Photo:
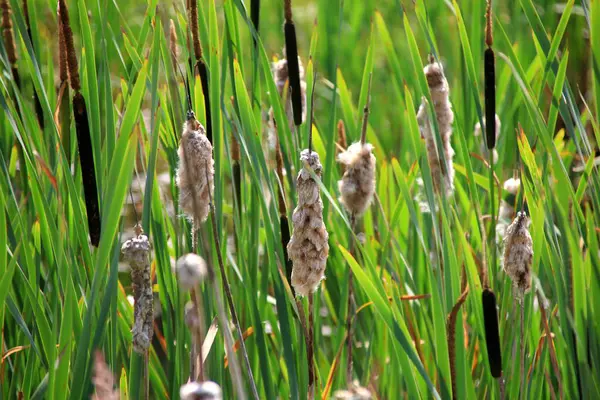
[
  {"x": 492, "y": 332},
  {"x": 308, "y": 248},
  {"x": 206, "y": 390},
  {"x": 195, "y": 175},
  {"x": 358, "y": 182},
  {"x": 477, "y": 133},
  {"x": 137, "y": 252},
  {"x": 442, "y": 169},
  {"x": 518, "y": 253},
  {"x": 191, "y": 270}
]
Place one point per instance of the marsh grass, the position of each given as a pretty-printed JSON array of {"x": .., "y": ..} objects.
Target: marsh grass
[{"x": 62, "y": 299}]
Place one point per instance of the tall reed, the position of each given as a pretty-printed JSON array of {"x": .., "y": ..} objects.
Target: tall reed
[{"x": 82, "y": 128}]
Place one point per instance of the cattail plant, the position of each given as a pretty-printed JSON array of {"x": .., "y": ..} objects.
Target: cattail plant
[
  {"x": 200, "y": 66},
  {"x": 440, "y": 160},
  {"x": 477, "y": 133},
  {"x": 137, "y": 252},
  {"x": 64, "y": 110},
  {"x": 103, "y": 380},
  {"x": 490, "y": 312},
  {"x": 357, "y": 188},
  {"x": 518, "y": 256},
  {"x": 195, "y": 177},
  {"x": 293, "y": 65},
  {"x": 9, "y": 40},
  {"x": 308, "y": 247},
  {"x": 207, "y": 390},
  {"x": 84, "y": 140}
]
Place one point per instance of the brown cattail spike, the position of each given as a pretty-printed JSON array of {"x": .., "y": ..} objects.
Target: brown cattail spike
[
  {"x": 193, "y": 16},
  {"x": 492, "y": 335},
  {"x": 489, "y": 37},
  {"x": 173, "y": 42},
  {"x": 518, "y": 254},
  {"x": 88, "y": 169},
  {"x": 490, "y": 97},
  {"x": 63, "y": 69},
  {"x": 68, "y": 38},
  {"x": 291, "y": 51},
  {"x": 7, "y": 32},
  {"x": 341, "y": 135}
]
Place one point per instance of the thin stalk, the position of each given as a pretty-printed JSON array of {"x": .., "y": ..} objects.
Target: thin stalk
[
  {"x": 363, "y": 132},
  {"x": 451, "y": 335},
  {"x": 522, "y": 353},
  {"x": 234, "y": 367},
  {"x": 350, "y": 314},
  {"x": 198, "y": 337},
  {"x": 227, "y": 289},
  {"x": 311, "y": 348}
]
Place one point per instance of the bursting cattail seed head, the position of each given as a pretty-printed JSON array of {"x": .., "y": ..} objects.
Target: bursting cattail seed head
[
  {"x": 358, "y": 183},
  {"x": 518, "y": 254},
  {"x": 137, "y": 252},
  {"x": 442, "y": 172},
  {"x": 191, "y": 270},
  {"x": 206, "y": 390},
  {"x": 308, "y": 248},
  {"x": 195, "y": 153}
]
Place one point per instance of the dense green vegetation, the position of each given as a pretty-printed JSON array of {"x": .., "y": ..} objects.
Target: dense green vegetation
[{"x": 61, "y": 298}]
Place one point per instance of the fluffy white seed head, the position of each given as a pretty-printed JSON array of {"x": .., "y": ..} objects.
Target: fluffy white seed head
[
  {"x": 442, "y": 172},
  {"x": 308, "y": 248},
  {"x": 137, "y": 250},
  {"x": 195, "y": 175},
  {"x": 206, "y": 390},
  {"x": 356, "y": 392},
  {"x": 358, "y": 182},
  {"x": 518, "y": 253},
  {"x": 483, "y": 148},
  {"x": 512, "y": 185},
  {"x": 191, "y": 270}
]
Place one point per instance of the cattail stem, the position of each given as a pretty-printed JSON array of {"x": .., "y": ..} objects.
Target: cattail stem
[
  {"x": 229, "y": 297},
  {"x": 311, "y": 347},
  {"x": 283, "y": 219},
  {"x": 312, "y": 112},
  {"x": 198, "y": 337},
  {"x": 350, "y": 298},
  {"x": 522, "y": 349},
  {"x": 363, "y": 133}
]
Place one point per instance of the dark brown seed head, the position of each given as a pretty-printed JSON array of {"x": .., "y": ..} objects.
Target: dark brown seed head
[
  {"x": 492, "y": 335},
  {"x": 193, "y": 16},
  {"x": 63, "y": 70},
  {"x": 7, "y": 32},
  {"x": 291, "y": 51},
  {"x": 341, "y": 130},
  {"x": 63, "y": 12},
  {"x": 489, "y": 66}
]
